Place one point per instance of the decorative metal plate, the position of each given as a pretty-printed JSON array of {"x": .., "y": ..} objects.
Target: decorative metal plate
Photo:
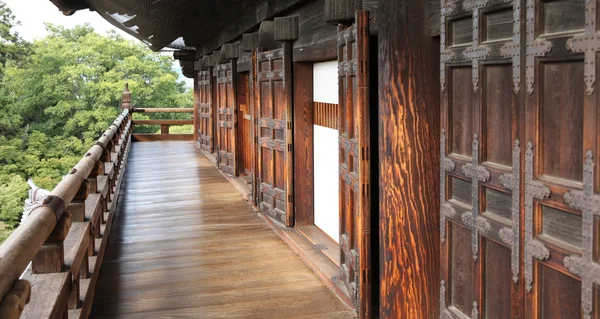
[
  {"x": 589, "y": 44},
  {"x": 444, "y": 312},
  {"x": 585, "y": 266},
  {"x": 513, "y": 49},
  {"x": 535, "y": 48},
  {"x": 511, "y": 235},
  {"x": 474, "y": 311},
  {"x": 447, "y": 211},
  {"x": 475, "y": 53},
  {"x": 533, "y": 189},
  {"x": 445, "y": 56},
  {"x": 446, "y": 164},
  {"x": 477, "y": 173}
]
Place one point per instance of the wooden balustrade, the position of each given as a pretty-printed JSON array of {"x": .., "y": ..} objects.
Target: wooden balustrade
[
  {"x": 66, "y": 235},
  {"x": 164, "y": 135}
]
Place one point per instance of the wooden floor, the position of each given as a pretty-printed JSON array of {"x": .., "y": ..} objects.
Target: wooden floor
[{"x": 185, "y": 244}]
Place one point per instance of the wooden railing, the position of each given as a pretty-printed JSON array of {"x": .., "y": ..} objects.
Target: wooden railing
[
  {"x": 64, "y": 238},
  {"x": 164, "y": 135}
]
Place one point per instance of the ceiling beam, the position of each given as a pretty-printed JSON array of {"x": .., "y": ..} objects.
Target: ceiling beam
[{"x": 266, "y": 9}]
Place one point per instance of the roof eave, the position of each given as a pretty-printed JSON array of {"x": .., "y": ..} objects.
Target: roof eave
[{"x": 68, "y": 7}]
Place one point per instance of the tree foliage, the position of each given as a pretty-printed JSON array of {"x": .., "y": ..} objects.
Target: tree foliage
[{"x": 60, "y": 92}]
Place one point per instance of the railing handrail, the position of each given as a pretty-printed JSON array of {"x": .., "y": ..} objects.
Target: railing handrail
[
  {"x": 165, "y": 134},
  {"x": 23, "y": 244},
  {"x": 164, "y": 110}
]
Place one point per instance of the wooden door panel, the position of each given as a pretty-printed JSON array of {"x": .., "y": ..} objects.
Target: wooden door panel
[
  {"x": 480, "y": 161},
  {"x": 226, "y": 117},
  {"x": 353, "y": 61},
  {"x": 561, "y": 165},
  {"x": 532, "y": 167},
  {"x": 205, "y": 110},
  {"x": 274, "y": 128}
]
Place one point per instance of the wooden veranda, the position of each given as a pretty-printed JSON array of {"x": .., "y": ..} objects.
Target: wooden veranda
[
  {"x": 153, "y": 229},
  {"x": 185, "y": 243}
]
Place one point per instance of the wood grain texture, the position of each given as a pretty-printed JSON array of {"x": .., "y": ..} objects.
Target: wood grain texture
[
  {"x": 409, "y": 169},
  {"x": 185, "y": 244},
  {"x": 304, "y": 148}
]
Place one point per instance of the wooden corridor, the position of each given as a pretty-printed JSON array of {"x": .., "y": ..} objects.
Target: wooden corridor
[{"x": 185, "y": 244}]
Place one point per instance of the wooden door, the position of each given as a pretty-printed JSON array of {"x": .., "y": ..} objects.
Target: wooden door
[
  {"x": 353, "y": 61},
  {"x": 226, "y": 117},
  {"x": 519, "y": 146},
  {"x": 274, "y": 128},
  {"x": 245, "y": 125},
  {"x": 205, "y": 111},
  {"x": 561, "y": 201}
]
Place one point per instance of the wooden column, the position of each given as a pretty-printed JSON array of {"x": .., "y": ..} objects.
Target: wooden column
[
  {"x": 286, "y": 31},
  {"x": 409, "y": 95}
]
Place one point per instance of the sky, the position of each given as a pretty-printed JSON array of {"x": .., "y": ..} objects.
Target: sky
[{"x": 34, "y": 13}]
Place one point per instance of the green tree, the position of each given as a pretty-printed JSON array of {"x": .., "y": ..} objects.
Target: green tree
[
  {"x": 12, "y": 46},
  {"x": 61, "y": 93}
]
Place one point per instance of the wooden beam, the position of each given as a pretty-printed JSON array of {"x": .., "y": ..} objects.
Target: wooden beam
[
  {"x": 266, "y": 9},
  {"x": 249, "y": 41},
  {"x": 341, "y": 11},
  {"x": 162, "y": 122},
  {"x": 285, "y": 28},
  {"x": 162, "y": 137},
  {"x": 409, "y": 130},
  {"x": 164, "y": 110}
]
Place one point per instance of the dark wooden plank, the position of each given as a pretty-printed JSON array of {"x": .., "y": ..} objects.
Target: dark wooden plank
[{"x": 185, "y": 243}]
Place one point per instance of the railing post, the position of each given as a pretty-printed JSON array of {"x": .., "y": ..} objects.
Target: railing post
[
  {"x": 126, "y": 98},
  {"x": 95, "y": 221},
  {"x": 50, "y": 258},
  {"x": 77, "y": 205},
  {"x": 164, "y": 129},
  {"x": 77, "y": 210}
]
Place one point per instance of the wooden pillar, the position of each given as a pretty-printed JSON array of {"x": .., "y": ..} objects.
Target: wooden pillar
[
  {"x": 196, "y": 114},
  {"x": 409, "y": 99},
  {"x": 286, "y": 31},
  {"x": 164, "y": 129}
]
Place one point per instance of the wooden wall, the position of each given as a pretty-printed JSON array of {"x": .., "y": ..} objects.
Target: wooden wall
[{"x": 409, "y": 161}]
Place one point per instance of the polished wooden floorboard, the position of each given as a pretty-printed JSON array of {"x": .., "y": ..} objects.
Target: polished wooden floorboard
[{"x": 185, "y": 244}]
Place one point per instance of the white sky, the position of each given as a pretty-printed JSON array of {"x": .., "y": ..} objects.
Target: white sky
[{"x": 34, "y": 13}]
